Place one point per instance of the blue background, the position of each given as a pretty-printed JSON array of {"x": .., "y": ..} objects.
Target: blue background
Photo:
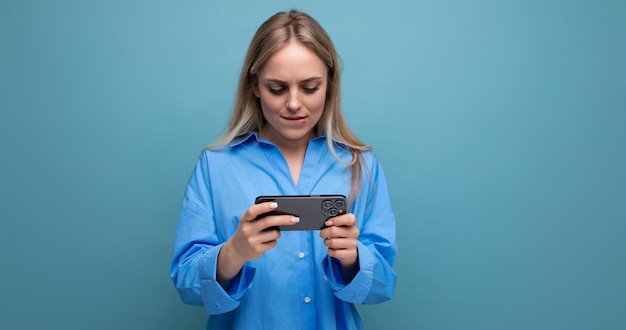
[{"x": 500, "y": 124}]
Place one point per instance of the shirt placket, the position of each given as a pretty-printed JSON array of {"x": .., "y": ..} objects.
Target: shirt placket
[{"x": 306, "y": 279}]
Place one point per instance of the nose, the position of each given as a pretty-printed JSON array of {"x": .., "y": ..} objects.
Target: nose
[{"x": 293, "y": 103}]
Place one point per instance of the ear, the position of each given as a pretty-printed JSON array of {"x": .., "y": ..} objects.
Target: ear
[{"x": 256, "y": 91}]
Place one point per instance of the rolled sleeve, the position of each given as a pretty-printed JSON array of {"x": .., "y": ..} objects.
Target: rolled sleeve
[
  {"x": 376, "y": 280},
  {"x": 216, "y": 299},
  {"x": 357, "y": 290}
]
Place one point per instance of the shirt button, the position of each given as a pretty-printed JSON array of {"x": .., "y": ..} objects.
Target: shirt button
[
  {"x": 301, "y": 255},
  {"x": 307, "y": 299}
]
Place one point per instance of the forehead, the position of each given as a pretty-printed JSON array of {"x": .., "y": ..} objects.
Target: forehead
[{"x": 294, "y": 61}]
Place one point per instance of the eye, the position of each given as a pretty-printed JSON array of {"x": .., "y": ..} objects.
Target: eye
[
  {"x": 310, "y": 89},
  {"x": 276, "y": 90}
]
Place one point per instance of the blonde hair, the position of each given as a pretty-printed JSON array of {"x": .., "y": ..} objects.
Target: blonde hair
[{"x": 247, "y": 116}]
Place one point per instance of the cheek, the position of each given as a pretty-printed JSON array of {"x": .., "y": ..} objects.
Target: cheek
[
  {"x": 270, "y": 104},
  {"x": 317, "y": 104}
]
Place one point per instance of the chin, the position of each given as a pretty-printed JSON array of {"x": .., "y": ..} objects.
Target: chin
[{"x": 297, "y": 135}]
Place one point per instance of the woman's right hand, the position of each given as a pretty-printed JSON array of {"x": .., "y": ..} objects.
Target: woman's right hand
[{"x": 251, "y": 240}]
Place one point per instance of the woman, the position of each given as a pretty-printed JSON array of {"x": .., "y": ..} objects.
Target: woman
[{"x": 286, "y": 136}]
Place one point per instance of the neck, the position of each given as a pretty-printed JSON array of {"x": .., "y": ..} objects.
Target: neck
[
  {"x": 293, "y": 150},
  {"x": 287, "y": 146}
]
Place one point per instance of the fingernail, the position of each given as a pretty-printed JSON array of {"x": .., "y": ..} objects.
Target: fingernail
[
  {"x": 274, "y": 205},
  {"x": 328, "y": 223},
  {"x": 295, "y": 219}
]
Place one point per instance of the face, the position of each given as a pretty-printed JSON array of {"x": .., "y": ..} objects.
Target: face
[{"x": 292, "y": 90}]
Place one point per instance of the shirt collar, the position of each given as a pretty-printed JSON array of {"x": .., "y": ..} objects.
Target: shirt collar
[{"x": 246, "y": 140}]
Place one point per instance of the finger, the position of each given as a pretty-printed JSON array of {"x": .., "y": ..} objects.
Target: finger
[
  {"x": 345, "y": 256},
  {"x": 331, "y": 231},
  {"x": 340, "y": 243},
  {"x": 263, "y": 242},
  {"x": 347, "y": 219},
  {"x": 271, "y": 222},
  {"x": 268, "y": 236},
  {"x": 341, "y": 252},
  {"x": 339, "y": 232},
  {"x": 254, "y": 211},
  {"x": 278, "y": 220}
]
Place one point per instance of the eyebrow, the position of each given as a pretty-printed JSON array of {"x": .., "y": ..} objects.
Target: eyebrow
[{"x": 308, "y": 80}]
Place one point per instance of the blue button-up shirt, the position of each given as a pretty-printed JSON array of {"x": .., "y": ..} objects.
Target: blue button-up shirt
[{"x": 294, "y": 285}]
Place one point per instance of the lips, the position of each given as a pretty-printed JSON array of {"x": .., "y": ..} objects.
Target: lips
[{"x": 296, "y": 119}]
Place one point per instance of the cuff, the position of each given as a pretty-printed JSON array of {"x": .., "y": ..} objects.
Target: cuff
[
  {"x": 357, "y": 290},
  {"x": 216, "y": 299}
]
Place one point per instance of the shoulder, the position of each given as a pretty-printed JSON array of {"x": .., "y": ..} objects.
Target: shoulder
[
  {"x": 345, "y": 152},
  {"x": 369, "y": 156},
  {"x": 372, "y": 163},
  {"x": 243, "y": 142}
]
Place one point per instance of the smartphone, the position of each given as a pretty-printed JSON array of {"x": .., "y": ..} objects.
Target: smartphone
[{"x": 313, "y": 210}]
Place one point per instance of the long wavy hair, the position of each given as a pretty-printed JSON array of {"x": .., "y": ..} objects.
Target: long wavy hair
[{"x": 247, "y": 116}]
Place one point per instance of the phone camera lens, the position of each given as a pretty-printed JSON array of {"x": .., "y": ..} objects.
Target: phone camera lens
[
  {"x": 333, "y": 212},
  {"x": 328, "y": 204},
  {"x": 339, "y": 204}
]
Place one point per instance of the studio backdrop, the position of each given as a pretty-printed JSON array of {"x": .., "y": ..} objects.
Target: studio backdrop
[{"x": 501, "y": 126}]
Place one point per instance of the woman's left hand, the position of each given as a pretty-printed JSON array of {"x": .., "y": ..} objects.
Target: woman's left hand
[{"x": 340, "y": 236}]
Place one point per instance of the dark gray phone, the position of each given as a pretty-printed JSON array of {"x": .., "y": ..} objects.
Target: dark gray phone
[{"x": 313, "y": 210}]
